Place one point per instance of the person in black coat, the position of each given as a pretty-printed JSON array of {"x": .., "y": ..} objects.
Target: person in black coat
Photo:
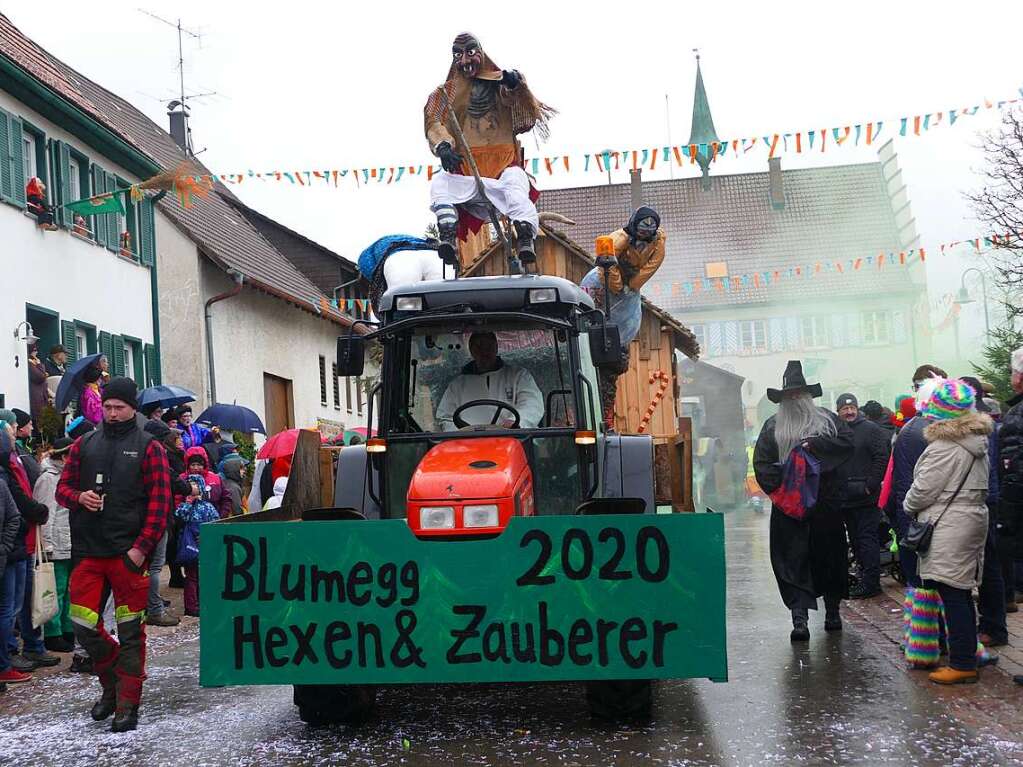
[
  {"x": 808, "y": 556},
  {"x": 861, "y": 477}
]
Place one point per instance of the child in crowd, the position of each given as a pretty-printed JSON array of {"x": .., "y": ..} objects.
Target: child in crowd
[{"x": 193, "y": 511}]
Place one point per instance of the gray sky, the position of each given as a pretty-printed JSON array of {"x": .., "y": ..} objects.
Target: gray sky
[{"x": 312, "y": 85}]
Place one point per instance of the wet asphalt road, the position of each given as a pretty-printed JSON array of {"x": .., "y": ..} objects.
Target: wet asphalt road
[{"x": 839, "y": 700}]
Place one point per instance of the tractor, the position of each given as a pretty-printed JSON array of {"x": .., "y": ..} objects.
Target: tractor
[{"x": 463, "y": 479}]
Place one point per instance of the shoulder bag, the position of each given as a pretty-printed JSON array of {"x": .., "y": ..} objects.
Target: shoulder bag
[
  {"x": 918, "y": 534},
  {"x": 44, "y": 585}
]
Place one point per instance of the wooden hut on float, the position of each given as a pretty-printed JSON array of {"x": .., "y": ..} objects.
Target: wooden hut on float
[{"x": 652, "y": 359}]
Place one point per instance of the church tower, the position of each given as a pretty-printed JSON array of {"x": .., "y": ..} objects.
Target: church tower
[{"x": 702, "y": 131}]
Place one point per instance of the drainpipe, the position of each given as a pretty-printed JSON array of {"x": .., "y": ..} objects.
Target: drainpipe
[
  {"x": 154, "y": 292},
  {"x": 239, "y": 279}
]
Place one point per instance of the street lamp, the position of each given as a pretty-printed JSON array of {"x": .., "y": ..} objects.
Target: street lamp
[{"x": 964, "y": 298}]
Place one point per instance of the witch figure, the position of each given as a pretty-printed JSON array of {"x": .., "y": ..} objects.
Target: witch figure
[
  {"x": 492, "y": 107},
  {"x": 808, "y": 554}
]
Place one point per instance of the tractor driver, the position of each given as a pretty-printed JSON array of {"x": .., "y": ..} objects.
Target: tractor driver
[{"x": 488, "y": 377}]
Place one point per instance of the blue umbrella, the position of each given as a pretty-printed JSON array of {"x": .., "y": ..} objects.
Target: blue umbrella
[
  {"x": 232, "y": 417},
  {"x": 165, "y": 396},
  {"x": 71, "y": 382}
]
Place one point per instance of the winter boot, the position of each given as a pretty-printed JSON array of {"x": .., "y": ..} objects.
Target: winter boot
[
  {"x": 832, "y": 616},
  {"x": 800, "y": 630},
  {"x": 41, "y": 658},
  {"x": 163, "y": 618},
  {"x": 524, "y": 235},
  {"x": 107, "y": 704},
  {"x": 923, "y": 648},
  {"x": 949, "y": 675},
  {"x": 447, "y": 230},
  {"x": 81, "y": 663},
  {"x": 126, "y": 719}
]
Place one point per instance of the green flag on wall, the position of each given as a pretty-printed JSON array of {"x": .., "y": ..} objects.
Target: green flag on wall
[{"x": 100, "y": 203}]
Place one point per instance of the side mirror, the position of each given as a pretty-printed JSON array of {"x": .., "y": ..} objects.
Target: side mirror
[
  {"x": 605, "y": 345},
  {"x": 351, "y": 355}
]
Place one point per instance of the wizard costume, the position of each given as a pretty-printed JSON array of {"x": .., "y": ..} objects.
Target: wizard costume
[{"x": 808, "y": 556}]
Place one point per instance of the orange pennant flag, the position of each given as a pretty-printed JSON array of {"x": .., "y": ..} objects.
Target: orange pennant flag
[
  {"x": 799, "y": 143},
  {"x": 678, "y": 155},
  {"x": 774, "y": 145}
]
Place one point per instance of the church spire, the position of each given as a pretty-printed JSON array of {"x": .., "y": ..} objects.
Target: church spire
[{"x": 703, "y": 123}]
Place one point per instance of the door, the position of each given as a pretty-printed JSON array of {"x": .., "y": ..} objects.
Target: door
[{"x": 278, "y": 403}]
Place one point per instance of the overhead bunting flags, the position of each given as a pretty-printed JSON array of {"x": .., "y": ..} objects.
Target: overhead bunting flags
[
  {"x": 862, "y": 132},
  {"x": 881, "y": 261}
]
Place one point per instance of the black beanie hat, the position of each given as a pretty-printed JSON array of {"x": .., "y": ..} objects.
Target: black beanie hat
[
  {"x": 22, "y": 417},
  {"x": 170, "y": 414},
  {"x": 123, "y": 389},
  {"x": 847, "y": 399}
]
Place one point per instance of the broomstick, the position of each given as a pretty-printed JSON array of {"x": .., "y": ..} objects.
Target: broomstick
[{"x": 514, "y": 264}]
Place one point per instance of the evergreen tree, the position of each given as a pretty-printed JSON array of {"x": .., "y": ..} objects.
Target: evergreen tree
[{"x": 995, "y": 370}]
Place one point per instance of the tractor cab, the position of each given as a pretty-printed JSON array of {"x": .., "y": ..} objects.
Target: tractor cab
[{"x": 468, "y": 437}]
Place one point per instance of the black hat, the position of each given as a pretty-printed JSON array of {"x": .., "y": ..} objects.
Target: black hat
[
  {"x": 157, "y": 428},
  {"x": 148, "y": 410},
  {"x": 22, "y": 417},
  {"x": 847, "y": 399},
  {"x": 793, "y": 381},
  {"x": 57, "y": 349},
  {"x": 170, "y": 414},
  {"x": 186, "y": 408},
  {"x": 123, "y": 389},
  {"x": 61, "y": 445}
]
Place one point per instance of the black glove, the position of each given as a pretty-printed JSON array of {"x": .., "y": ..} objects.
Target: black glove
[
  {"x": 510, "y": 78},
  {"x": 450, "y": 160}
]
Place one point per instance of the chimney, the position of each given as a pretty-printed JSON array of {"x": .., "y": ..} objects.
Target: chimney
[
  {"x": 776, "y": 187},
  {"x": 636, "y": 187},
  {"x": 179, "y": 130}
]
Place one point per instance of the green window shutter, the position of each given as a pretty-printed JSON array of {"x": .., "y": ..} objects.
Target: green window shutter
[
  {"x": 106, "y": 344},
  {"x": 18, "y": 179},
  {"x": 69, "y": 340},
  {"x": 147, "y": 232},
  {"x": 5, "y": 156},
  {"x": 66, "y": 193},
  {"x": 113, "y": 231},
  {"x": 117, "y": 360},
  {"x": 98, "y": 223},
  {"x": 152, "y": 366}
]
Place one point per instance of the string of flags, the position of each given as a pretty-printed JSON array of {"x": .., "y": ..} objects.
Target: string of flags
[
  {"x": 188, "y": 185},
  {"x": 768, "y": 277},
  {"x": 775, "y": 143}
]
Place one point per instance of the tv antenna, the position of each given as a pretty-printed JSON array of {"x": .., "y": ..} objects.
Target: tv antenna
[{"x": 182, "y": 32}]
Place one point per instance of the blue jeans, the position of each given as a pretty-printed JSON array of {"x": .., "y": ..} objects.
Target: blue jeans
[
  {"x": 8, "y": 592},
  {"x": 961, "y": 624},
  {"x": 31, "y": 638}
]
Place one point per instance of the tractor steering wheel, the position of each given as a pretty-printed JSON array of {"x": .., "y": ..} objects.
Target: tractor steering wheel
[{"x": 461, "y": 423}]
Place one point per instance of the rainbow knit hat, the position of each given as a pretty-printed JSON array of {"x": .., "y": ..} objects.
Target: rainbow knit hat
[{"x": 951, "y": 398}]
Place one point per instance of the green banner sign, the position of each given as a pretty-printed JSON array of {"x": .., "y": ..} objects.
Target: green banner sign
[{"x": 552, "y": 598}]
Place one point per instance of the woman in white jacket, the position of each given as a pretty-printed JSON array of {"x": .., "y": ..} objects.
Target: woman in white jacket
[
  {"x": 949, "y": 490},
  {"x": 59, "y": 631}
]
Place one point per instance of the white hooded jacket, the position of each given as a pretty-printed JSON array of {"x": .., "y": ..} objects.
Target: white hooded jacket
[{"x": 507, "y": 383}]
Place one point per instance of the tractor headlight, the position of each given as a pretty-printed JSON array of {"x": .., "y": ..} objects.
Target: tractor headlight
[
  {"x": 436, "y": 517},
  {"x": 543, "y": 296},
  {"x": 480, "y": 516},
  {"x": 409, "y": 303}
]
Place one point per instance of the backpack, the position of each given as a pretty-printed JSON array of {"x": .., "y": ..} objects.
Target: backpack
[{"x": 188, "y": 544}]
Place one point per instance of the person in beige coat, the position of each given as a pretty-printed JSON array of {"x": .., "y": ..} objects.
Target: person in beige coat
[{"x": 949, "y": 490}]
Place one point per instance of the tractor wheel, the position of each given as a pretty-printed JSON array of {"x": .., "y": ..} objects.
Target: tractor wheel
[
  {"x": 619, "y": 699},
  {"x": 320, "y": 704}
]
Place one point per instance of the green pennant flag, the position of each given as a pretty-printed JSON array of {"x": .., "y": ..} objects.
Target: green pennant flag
[{"x": 101, "y": 203}]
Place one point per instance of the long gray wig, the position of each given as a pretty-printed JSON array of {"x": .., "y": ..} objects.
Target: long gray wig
[{"x": 799, "y": 419}]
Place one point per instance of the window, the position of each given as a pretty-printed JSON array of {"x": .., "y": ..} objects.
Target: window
[
  {"x": 81, "y": 344},
  {"x": 129, "y": 358},
  {"x": 348, "y": 394},
  {"x": 876, "y": 327},
  {"x": 75, "y": 178},
  {"x": 753, "y": 336},
  {"x": 337, "y": 386},
  {"x": 323, "y": 380},
  {"x": 815, "y": 332},
  {"x": 358, "y": 393},
  {"x": 28, "y": 155},
  {"x": 134, "y": 360}
]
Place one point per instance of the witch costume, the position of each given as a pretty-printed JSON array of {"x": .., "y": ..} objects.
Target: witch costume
[
  {"x": 492, "y": 107},
  {"x": 808, "y": 556}
]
